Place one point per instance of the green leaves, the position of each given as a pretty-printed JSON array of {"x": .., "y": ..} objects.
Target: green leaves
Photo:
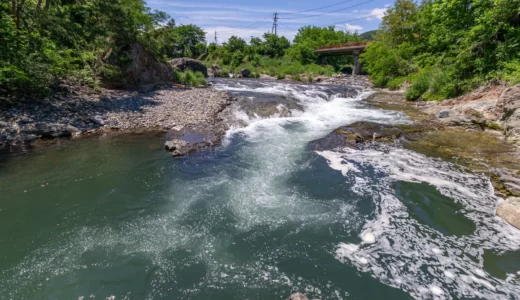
[{"x": 446, "y": 47}]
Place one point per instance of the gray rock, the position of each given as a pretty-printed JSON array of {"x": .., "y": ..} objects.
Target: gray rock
[
  {"x": 214, "y": 71},
  {"x": 245, "y": 73},
  {"x": 509, "y": 210},
  {"x": 444, "y": 114},
  {"x": 183, "y": 64},
  {"x": 98, "y": 120},
  {"x": 509, "y": 104},
  {"x": 175, "y": 145}
]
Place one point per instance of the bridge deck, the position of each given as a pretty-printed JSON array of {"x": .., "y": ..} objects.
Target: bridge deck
[{"x": 343, "y": 49}]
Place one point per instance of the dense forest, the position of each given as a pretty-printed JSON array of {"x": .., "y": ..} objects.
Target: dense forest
[
  {"x": 446, "y": 47},
  {"x": 42, "y": 41},
  {"x": 441, "y": 48}
]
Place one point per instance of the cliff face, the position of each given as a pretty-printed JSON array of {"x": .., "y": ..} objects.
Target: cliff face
[{"x": 141, "y": 71}]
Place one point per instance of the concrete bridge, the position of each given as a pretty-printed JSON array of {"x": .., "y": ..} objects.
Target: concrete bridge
[{"x": 355, "y": 48}]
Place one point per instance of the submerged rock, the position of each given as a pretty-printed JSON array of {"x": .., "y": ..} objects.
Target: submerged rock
[
  {"x": 183, "y": 141},
  {"x": 354, "y": 135},
  {"x": 298, "y": 296},
  {"x": 509, "y": 210}
]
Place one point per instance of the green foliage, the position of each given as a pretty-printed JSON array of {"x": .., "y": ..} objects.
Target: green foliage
[
  {"x": 297, "y": 77},
  {"x": 396, "y": 83},
  {"x": 420, "y": 84},
  {"x": 280, "y": 76},
  {"x": 44, "y": 41},
  {"x": 190, "y": 78},
  {"x": 310, "y": 79},
  {"x": 368, "y": 36},
  {"x": 446, "y": 47}
]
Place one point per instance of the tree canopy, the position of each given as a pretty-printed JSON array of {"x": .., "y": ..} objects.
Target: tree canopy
[
  {"x": 446, "y": 47},
  {"x": 43, "y": 40}
]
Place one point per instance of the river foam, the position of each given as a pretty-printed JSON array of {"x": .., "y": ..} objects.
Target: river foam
[{"x": 410, "y": 255}]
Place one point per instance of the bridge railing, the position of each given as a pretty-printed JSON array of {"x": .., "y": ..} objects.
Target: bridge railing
[{"x": 344, "y": 45}]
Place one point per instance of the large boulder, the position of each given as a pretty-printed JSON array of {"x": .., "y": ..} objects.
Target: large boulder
[
  {"x": 214, "y": 71},
  {"x": 142, "y": 71},
  {"x": 245, "y": 73},
  {"x": 183, "y": 64},
  {"x": 509, "y": 210},
  {"x": 509, "y": 103}
]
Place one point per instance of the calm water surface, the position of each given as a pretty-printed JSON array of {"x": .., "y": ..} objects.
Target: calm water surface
[{"x": 259, "y": 218}]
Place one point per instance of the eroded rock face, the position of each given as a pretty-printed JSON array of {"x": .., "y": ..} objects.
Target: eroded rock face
[
  {"x": 183, "y": 64},
  {"x": 509, "y": 210},
  {"x": 509, "y": 102},
  {"x": 143, "y": 72}
]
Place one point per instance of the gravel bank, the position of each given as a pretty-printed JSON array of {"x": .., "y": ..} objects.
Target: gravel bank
[{"x": 77, "y": 112}]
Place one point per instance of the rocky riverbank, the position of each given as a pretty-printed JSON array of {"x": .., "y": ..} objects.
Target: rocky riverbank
[
  {"x": 478, "y": 131},
  {"x": 77, "y": 112}
]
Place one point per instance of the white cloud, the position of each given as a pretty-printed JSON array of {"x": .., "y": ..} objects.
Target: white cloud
[
  {"x": 351, "y": 27},
  {"x": 379, "y": 12}
]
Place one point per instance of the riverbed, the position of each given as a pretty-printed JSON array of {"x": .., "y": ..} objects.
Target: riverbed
[{"x": 259, "y": 217}]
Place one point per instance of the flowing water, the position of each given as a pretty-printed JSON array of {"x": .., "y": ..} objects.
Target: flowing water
[{"x": 260, "y": 217}]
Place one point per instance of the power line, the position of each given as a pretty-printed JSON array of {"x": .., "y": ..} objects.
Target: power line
[
  {"x": 329, "y": 12},
  {"x": 248, "y": 27},
  {"x": 318, "y": 8}
]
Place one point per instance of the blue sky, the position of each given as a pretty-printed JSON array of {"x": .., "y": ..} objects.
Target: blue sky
[{"x": 247, "y": 18}]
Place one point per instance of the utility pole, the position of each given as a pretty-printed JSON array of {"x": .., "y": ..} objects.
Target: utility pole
[
  {"x": 216, "y": 40},
  {"x": 275, "y": 24}
]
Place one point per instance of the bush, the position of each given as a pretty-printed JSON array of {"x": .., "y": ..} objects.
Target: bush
[
  {"x": 297, "y": 77},
  {"x": 396, "y": 83},
  {"x": 310, "y": 79},
  {"x": 280, "y": 76},
  {"x": 190, "y": 78},
  {"x": 420, "y": 84}
]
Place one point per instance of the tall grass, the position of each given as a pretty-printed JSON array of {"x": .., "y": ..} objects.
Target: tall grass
[{"x": 190, "y": 78}]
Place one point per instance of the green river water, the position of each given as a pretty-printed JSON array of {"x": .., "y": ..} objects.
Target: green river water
[{"x": 260, "y": 217}]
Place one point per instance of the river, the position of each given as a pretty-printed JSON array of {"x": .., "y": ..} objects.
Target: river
[{"x": 260, "y": 217}]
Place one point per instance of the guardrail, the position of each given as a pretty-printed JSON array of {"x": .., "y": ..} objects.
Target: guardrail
[{"x": 345, "y": 45}]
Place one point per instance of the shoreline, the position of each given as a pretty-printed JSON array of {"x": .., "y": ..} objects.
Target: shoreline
[{"x": 78, "y": 112}]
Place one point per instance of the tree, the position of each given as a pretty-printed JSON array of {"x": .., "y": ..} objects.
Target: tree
[{"x": 274, "y": 45}]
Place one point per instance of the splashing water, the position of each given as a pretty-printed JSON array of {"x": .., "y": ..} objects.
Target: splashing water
[{"x": 260, "y": 218}]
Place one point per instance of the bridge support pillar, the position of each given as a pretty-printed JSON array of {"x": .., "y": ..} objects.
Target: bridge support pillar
[{"x": 356, "y": 70}]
